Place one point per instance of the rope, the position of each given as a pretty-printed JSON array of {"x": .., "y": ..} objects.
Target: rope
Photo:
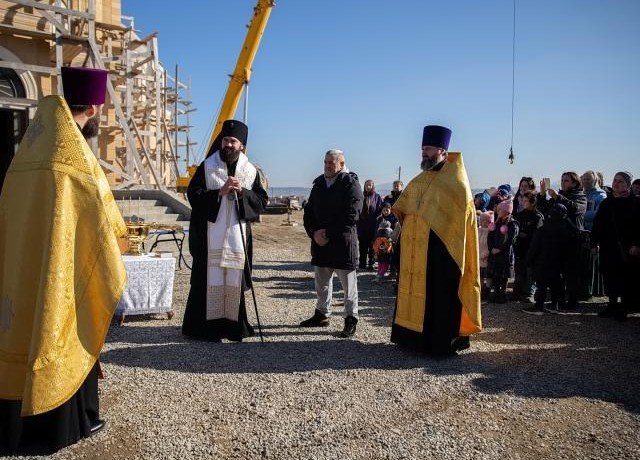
[
  {"x": 513, "y": 80},
  {"x": 202, "y": 146}
]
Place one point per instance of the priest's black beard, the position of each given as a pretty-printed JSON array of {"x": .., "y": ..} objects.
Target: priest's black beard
[
  {"x": 427, "y": 164},
  {"x": 91, "y": 128},
  {"x": 229, "y": 155}
]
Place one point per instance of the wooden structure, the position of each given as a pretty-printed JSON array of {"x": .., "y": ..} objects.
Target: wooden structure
[{"x": 142, "y": 135}]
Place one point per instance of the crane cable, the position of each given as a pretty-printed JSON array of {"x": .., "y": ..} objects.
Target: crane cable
[{"x": 513, "y": 81}]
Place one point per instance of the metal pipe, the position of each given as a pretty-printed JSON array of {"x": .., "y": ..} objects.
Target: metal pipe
[{"x": 246, "y": 258}]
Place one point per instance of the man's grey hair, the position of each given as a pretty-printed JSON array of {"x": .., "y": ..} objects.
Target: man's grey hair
[{"x": 337, "y": 153}]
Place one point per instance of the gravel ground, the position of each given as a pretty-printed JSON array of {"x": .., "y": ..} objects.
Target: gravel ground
[{"x": 529, "y": 387}]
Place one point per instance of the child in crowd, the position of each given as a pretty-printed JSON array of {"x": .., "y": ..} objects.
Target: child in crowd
[
  {"x": 383, "y": 248},
  {"x": 547, "y": 256},
  {"x": 500, "y": 241},
  {"x": 484, "y": 219},
  {"x": 529, "y": 221},
  {"x": 387, "y": 215}
]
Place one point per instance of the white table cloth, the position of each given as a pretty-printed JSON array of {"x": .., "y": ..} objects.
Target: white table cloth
[{"x": 149, "y": 286}]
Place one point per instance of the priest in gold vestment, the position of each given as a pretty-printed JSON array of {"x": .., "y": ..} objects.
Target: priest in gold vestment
[
  {"x": 61, "y": 273},
  {"x": 438, "y": 302}
]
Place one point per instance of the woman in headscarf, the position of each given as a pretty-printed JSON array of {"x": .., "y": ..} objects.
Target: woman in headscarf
[
  {"x": 591, "y": 278},
  {"x": 616, "y": 228},
  {"x": 367, "y": 223}
]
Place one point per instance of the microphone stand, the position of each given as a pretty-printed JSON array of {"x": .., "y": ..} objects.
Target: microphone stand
[{"x": 246, "y": 255}]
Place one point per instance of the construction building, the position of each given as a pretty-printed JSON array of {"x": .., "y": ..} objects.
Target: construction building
[{"x": 145, "y": 121}]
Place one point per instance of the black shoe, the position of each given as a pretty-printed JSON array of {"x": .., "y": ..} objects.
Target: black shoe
[
  {"x": 534, "y": 310},
  {"x": 317, "y": 320},
  {"x": 459, "y": 343},
  {"x": 97, "y": 427},
  {"x": 568, "y": 309},
  {"x": 620, "y": 314},
  {"x": 500, "y": 298},
  {"x": 349, "y": 327},
  {"x": 608, "y": 312}
]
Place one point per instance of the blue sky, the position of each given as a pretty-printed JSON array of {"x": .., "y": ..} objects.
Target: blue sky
[{"x": 366, "y": 76}]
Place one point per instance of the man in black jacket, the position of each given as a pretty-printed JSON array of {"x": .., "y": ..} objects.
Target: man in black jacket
[{"x": 330, "y": 218}]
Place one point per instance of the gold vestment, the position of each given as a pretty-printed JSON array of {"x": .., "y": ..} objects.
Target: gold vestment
[
  {"x": 61, "y": 269},
  {"x": 438, "y": 201}
]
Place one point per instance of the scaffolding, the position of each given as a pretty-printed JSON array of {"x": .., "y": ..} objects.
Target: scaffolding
[{"x": 145, "y": 122}]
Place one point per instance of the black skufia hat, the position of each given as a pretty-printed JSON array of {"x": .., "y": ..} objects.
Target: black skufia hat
[
  {"x": 230, "y": 128},
  {"x": 235, "y": 128}
]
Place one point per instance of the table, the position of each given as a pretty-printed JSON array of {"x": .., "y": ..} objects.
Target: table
[
  {"x": 164, "y": 233},
  {"x": 149, "y": 286}
]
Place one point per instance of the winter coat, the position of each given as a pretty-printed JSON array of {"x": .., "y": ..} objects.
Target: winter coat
[
  {"x": 595, "y": 196},
  {"x": 616, "y": 228},
  {"x": 528, "y": 222},
  {"x": 518, "y": 202},
  {"x": 371, "y": 207},
  {"x": 500, "y": 265},
  {"x": 383, "y": 248},
  {"x": 574, "y": 200},
  {"x": 550, "y": 249},
  {"x": 391, "y": 218},
  {"x": 485, "y": 198},
  {"x": 392, "y": 197},
  {"x": 336, "y": 209}
]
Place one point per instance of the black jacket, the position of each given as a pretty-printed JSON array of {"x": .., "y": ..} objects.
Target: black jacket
[
  {"x": 549, "y": 250},
  {"x": 574, "y": 200},
  {"x": 204, "y": 209},
  {"x": 616, "y": 228},
  {"x": 500, "y": 265},
  {"x": 528, "y": 221},
  {"x": 336, "y": 209}
]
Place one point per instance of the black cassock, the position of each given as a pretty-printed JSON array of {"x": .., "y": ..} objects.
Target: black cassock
[
  {"x": 204, "y": 209},
  {"x": 443, "y": 309},
  {"x": 46, "y": 433}
]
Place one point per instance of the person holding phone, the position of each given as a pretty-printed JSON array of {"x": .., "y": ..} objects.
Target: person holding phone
[{"x": 572, "y": 196}]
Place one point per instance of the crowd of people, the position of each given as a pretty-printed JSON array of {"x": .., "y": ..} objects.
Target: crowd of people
[
  {"x": 565, "y": 245},
  {"x": 56, "y": 304},
  {"x": 577, "y": 242}
]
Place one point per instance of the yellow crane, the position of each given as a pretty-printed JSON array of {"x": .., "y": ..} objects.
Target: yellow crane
[{"x": 237, "y": 83}]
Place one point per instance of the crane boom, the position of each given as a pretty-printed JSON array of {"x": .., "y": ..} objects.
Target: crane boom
[{"x": 242, "y": 73}]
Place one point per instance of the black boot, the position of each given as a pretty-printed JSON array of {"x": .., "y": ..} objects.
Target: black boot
[
  {"x": 349, "y": 327},
  {"x": 536, "y": 309},
  {"x": 500, "y": 295}
]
